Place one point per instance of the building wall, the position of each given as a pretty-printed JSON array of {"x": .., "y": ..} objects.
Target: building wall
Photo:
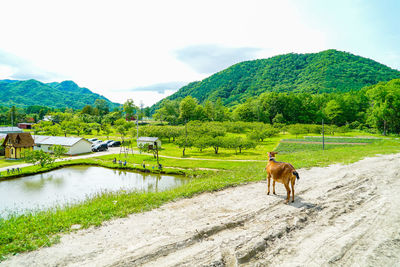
[
  {"x": 16, "y": 152},
  {"x": 80, "y": 147},
  {"x": 45, "y": 148}
]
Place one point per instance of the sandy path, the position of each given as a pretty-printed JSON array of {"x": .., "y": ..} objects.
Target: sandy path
[{"x": 342, "y": 216}]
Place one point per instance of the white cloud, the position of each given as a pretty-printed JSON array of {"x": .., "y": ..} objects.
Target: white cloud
[{"x": 108, "y": 46}]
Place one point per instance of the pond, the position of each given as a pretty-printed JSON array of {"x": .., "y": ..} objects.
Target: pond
[{"x": 74, "y": 184}]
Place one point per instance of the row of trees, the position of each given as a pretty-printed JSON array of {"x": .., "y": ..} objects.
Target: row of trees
[
  {"x": 372, "y": 107},
  {"x": 98, "y": 113},
  {"x": 216, "y": 135}
]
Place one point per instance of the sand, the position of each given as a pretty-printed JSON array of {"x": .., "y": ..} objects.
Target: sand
[{"x": 343, "y": 215}]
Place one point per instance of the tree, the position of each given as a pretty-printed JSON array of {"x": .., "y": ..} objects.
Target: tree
[
  {"x": 122, "y": 127},
  {"x": 297, "y": 129},
  {"x": 38, "y": 157},
  {"x": 106, "y": 128},
  {"x": 88, "y": 109},
  {"x": 187, "y": 108},
  {"x": 54, "y": 130},
  {"x": 384, "y": 113},
  {"x": 111, "y": 117},
  {"x": 78, "y": 125},
  {"x": 130, "y": 108},
  {"x": 334, "y": 112},
  {"x": 58, "y": 151},
  {"x": 42, "y": 158},
  {"x": 278, "y": 118},
  {"x": 67, "y": 127},
  {"x": 102, "y": 107},
  {"x": 169, "y": 112},
  {"x": 12, "y": 114},
  {"x": 184, "y": 142},
  {"x": 209, "y": 110},
  {"x": 216, "y": 143},
  {"x": 262, "y": 131},
  {"x": 246, "y": 144},
  {"x": 202, "y": 142}
]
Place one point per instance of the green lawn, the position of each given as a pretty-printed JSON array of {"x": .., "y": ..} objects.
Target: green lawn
[
  {"x": 259, "y": 153},
  {"x": 9, "y": 162},
  {"x": 27, "y": 232}
]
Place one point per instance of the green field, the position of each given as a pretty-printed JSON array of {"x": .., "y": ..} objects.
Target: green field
[{"x": 27, "y": 232}]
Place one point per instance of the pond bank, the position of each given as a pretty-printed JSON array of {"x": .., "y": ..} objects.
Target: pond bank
[
  {"x": 74, "y": 184},
  {"x": 34, "y": 169}
]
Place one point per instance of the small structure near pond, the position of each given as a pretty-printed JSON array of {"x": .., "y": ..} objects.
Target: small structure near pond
[
  {"x": 15, "y": 144},
  {"x": 150, "y": 141}
]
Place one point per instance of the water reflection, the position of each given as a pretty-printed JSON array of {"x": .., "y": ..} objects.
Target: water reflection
[
  {"x": 73, "y": 184},
  {"x": 38, "y": 184}
]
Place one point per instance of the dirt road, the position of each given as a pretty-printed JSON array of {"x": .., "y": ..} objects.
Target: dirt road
[{"x": 342, "y": 216}]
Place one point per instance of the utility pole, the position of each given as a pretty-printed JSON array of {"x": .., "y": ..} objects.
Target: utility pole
[
  {"x": 323, "y": 135},
  {"x": 137, "y": 127}
]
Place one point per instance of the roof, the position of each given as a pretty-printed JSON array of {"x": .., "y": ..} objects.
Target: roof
[
  {"x": 19, "y": 139},
  {"x": 10, "y": 130},
  {"x": 57, "y": 140},
  {"x": 147, "y": 139}
]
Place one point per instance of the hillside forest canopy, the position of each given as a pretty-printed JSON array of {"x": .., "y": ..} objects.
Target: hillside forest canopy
[
  {"x": 329, "y": 71},
  {"x": 374, "y": 108}
]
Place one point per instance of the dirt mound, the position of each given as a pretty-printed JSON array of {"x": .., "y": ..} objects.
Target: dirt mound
[{"x": 342, "y": 215}]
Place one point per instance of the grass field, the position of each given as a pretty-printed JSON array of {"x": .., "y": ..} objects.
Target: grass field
[
  {"x": 342, "y": 139},
  {"x": 9, "y": 162},
  {"x": 37, "y": 229}
]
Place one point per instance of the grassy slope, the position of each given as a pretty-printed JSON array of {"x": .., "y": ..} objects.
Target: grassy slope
[{"x": 32, "y": 231}]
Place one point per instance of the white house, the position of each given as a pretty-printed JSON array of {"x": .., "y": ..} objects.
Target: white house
[
  {"x": 150, "y": 141},
  {"x": 74, "y": 145}
]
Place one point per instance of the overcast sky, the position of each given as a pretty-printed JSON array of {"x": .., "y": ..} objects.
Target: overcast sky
[{"x": 146, "y": 50}]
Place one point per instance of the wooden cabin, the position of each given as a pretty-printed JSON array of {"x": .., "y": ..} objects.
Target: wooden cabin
[{"x": 15, "y": 144}]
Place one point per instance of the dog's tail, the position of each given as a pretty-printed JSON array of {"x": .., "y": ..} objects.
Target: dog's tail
[{"x": 295, "y": 173}]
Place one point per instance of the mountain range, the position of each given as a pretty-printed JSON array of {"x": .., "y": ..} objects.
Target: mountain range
[
  {"x": 57, "y": 95},
  {"x": 324, "y": 72}
]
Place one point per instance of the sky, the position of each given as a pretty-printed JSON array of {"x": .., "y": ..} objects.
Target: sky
[{"x": 147, "y": 50}]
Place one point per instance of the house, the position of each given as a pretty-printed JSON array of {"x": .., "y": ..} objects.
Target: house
[
  {"x": 74, "y": 145},
  {"x": 25, "y": 125},
  {"x": 6, "y": 130},
  {"x": 15, "y": 144},
  {"x": 151, "y": 141}
]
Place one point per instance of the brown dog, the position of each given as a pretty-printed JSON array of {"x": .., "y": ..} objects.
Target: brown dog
[{"x": 281, "y": 172}]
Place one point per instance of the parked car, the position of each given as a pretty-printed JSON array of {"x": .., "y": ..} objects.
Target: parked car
[
  {"x": 108, "y": 141},
  {"x": 114, "y": 144},
  {"x": 92, "y": 139},
  {"x": 99, "y": 147},
  {"x": 97, "y": 142}
]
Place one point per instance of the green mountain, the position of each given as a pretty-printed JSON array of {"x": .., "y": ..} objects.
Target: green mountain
[
  {"x": 57, "y": 95},
  {"x": 324, "y": 72}
]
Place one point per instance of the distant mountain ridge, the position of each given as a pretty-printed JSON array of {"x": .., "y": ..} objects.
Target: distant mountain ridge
[
  {"x": 324, "y": 72},
  {"x": 55, "y": 94}
]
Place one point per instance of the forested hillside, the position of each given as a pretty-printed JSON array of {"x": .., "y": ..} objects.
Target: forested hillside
[
  {"x": 325, "y": 72},
  {"x": 57, "y": 95}
]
